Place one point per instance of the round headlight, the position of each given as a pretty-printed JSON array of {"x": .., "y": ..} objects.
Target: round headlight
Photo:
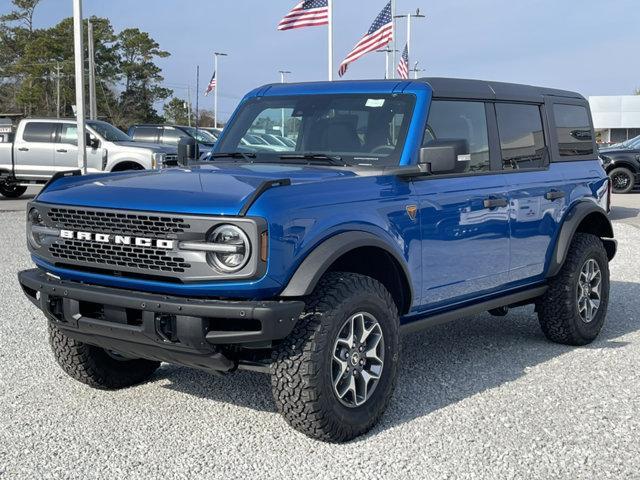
[
  {"x": 235, "y": 248},
  {"x": 34, "y": 219}
]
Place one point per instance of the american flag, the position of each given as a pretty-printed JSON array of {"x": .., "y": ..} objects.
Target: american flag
[
  {"x": 212, "y": 85},
  {"x": 403, "y": 66},
  {"x": 379, "y": 35},
  {"x": 309, "y": 13}
]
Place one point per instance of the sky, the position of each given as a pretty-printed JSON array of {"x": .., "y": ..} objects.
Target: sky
[{"x": 588, "y": 46}]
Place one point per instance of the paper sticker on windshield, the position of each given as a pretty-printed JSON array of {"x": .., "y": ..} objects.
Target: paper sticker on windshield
[{"x": 375, "y": 102}]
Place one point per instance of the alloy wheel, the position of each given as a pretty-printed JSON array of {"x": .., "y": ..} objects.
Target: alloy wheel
[
  {"x": 358, "y": 359},
  {"x": 589, "y": 290}
]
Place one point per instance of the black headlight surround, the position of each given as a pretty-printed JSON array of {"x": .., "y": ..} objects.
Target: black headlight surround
[{"x": 34, "y": 218}]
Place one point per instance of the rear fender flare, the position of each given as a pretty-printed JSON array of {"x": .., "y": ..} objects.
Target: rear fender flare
[{"x": 570, "y": 226}]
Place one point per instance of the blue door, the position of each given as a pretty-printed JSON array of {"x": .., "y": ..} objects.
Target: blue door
[
  {"x": 463, "y": 214},
  {"x": 538, "y": 191}
]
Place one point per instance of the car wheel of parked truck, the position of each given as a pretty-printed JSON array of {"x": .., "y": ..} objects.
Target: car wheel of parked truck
[
  {"x": 573, "y": 309},
  {"x": 96, "y": 366},
  {"x": 622, "y": 180},
  {"x": 334, "y": 375},
  {"x": 12, "y": 190}
]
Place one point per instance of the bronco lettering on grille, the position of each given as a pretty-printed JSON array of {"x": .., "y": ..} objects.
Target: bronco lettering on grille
[{"x": 118, "y": 239}]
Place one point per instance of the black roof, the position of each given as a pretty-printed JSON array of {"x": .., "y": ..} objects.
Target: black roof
[{"x": 487, "y": 90}]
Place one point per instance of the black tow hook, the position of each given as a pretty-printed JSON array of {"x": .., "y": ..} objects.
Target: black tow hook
[{"x": 166, "y": 328}]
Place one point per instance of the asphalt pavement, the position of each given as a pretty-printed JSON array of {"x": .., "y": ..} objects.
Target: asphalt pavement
[{"x": 483, "y": 397}]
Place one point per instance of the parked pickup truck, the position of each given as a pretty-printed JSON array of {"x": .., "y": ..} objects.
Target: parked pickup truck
[
  {"x": 402, "y": 204},
  {"x": 43, "y": 147}
]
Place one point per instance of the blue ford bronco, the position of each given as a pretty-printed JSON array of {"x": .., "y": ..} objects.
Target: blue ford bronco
[{"x": 397, "y": 205}]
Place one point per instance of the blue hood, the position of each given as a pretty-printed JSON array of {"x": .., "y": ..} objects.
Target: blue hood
[{"x": 203, "y": 190}]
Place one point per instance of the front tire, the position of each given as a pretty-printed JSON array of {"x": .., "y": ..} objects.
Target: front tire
[
  {"x": 573, "y": 309},
  {"x": 11, "y": 190},
  {"x": 622, "y": 180},
  {"x": 333, "y": 376},
  {"x": 94, "y": 366}
]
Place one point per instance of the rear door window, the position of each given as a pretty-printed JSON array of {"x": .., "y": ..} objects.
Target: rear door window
[
  {"x": 464, "y": 123},
  {"x": 522, "y": 140},
  {"x": 573, "y": 127},
  {"x": 69, "y": 134},
  {"x": 39, "y": 132}
]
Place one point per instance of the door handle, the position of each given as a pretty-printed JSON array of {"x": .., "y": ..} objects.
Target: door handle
[
  {"x": 23, "y": 149},
  {"x": 495, "y": 202},
  {"x": 62, "y": 150},
  {"x": 554, "y": 195}
]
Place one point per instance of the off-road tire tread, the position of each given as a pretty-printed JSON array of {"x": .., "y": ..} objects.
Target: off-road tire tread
[
  {"x": 92, "y": 366},
  {"x": 556, "y": 308},
  {"x": 295, "y": 362}
]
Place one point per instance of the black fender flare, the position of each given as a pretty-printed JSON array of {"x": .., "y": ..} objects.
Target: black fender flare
[
  {"x": 569, "y": 227},
  {"x": 316, "y": 264}
]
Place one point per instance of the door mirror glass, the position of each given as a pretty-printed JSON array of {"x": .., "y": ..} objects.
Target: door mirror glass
[{"x": 445, "y": 156}]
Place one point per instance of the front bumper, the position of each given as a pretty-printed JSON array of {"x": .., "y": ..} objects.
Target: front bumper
[{"x": 186, "y": 331}]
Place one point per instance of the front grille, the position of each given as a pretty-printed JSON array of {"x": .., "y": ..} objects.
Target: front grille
[
  {"x": 129, "y": 258},
  {"x": 118, "y": 223},
  {"x": 117, "y": 256}
]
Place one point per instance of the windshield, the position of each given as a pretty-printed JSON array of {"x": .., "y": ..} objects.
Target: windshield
[
  {"x": 361, "y": 129},
  {"x": 109, "y": 132},
  {"x": 201, "y": 136}
]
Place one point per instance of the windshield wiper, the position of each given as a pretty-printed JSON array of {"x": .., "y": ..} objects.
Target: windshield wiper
[
  {"x": 248, "y": 156},
  {"x": 331, "y": 159}
]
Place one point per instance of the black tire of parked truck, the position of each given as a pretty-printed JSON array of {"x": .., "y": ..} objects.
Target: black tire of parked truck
[
  {"x": 573, "y": 309},
  {"x": 622, "y": 180},
  {"x": 94, "y": 366},
  {"x": 12, "y": 190},
  {"x": 346, "y": 341}
]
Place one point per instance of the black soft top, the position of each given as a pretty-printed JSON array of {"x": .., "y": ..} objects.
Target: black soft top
[{"x": 487, "y": 90}]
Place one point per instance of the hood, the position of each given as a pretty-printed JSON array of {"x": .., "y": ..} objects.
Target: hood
[
  {"x": 203, "y": 190},
  {"x": 156, "y": 147}
]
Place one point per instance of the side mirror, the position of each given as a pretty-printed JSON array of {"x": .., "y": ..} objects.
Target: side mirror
[
  {"x": 187, "y": 151},
  {"x": 91, "y": 141},
  {"x": 445, "y": 156}
]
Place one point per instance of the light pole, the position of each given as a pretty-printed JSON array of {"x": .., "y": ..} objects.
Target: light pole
[
  {"x": 215, "y": 92},
  {"x": 409, "y": 17},
  {"x": 93, "y": 104},
  {"x": 79, "y": 67},
  {"x": 282, "y": 80},
  {"x": 416, "y": 70}
]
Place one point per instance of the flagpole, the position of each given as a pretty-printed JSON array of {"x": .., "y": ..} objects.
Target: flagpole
[
  {"x": 330, "y": 37},
  {"x": 395, "y": 45},
  {"x": 215, "y": 93}
]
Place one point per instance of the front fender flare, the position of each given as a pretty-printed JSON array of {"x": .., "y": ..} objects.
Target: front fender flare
[
  {"x": 569, "y": 227},
  {"x": 316, "y": 264}
]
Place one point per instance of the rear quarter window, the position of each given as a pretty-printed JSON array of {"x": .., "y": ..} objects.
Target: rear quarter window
[
  {"x": 573, "y": 128},
  {"x": 145, "y": 134}
]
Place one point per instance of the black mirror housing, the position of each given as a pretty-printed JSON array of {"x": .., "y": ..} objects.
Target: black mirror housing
[
  {"x": 187, "y": 150},
  {"x": 91, "y": 141},
  {"x": 443, "y": 156}
]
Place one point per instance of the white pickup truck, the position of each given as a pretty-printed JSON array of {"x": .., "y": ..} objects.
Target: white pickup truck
[{"x": 43, "y": 147}]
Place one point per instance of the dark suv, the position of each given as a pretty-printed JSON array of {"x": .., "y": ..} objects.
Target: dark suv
[
  {"x": 622, "y": 163},
  {"x": 403, "y": 204}
]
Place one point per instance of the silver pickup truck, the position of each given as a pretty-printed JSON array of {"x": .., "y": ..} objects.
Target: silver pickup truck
[{"x": 43, "y": 147}]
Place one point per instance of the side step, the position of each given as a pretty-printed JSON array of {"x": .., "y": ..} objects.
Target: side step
[{"x": 451, "y": 315}]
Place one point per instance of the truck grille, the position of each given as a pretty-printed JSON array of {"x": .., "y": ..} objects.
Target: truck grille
[
  {"x": 118, "y": 223},
  {"x": 117, "y": 256},
  {"x": 148, "y": 260}
]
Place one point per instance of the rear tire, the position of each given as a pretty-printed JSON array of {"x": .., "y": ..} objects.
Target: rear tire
[
  {"x": 622, "y": 180},
  {"x": 94, "y": 366},
  {"x": 11, "y": 190},
  {"x": 566, "y": 311},
  {"x": 308, "y": 367}
]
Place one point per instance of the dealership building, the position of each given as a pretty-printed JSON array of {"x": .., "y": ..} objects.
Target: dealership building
[{"x": 616, "y": 118}]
